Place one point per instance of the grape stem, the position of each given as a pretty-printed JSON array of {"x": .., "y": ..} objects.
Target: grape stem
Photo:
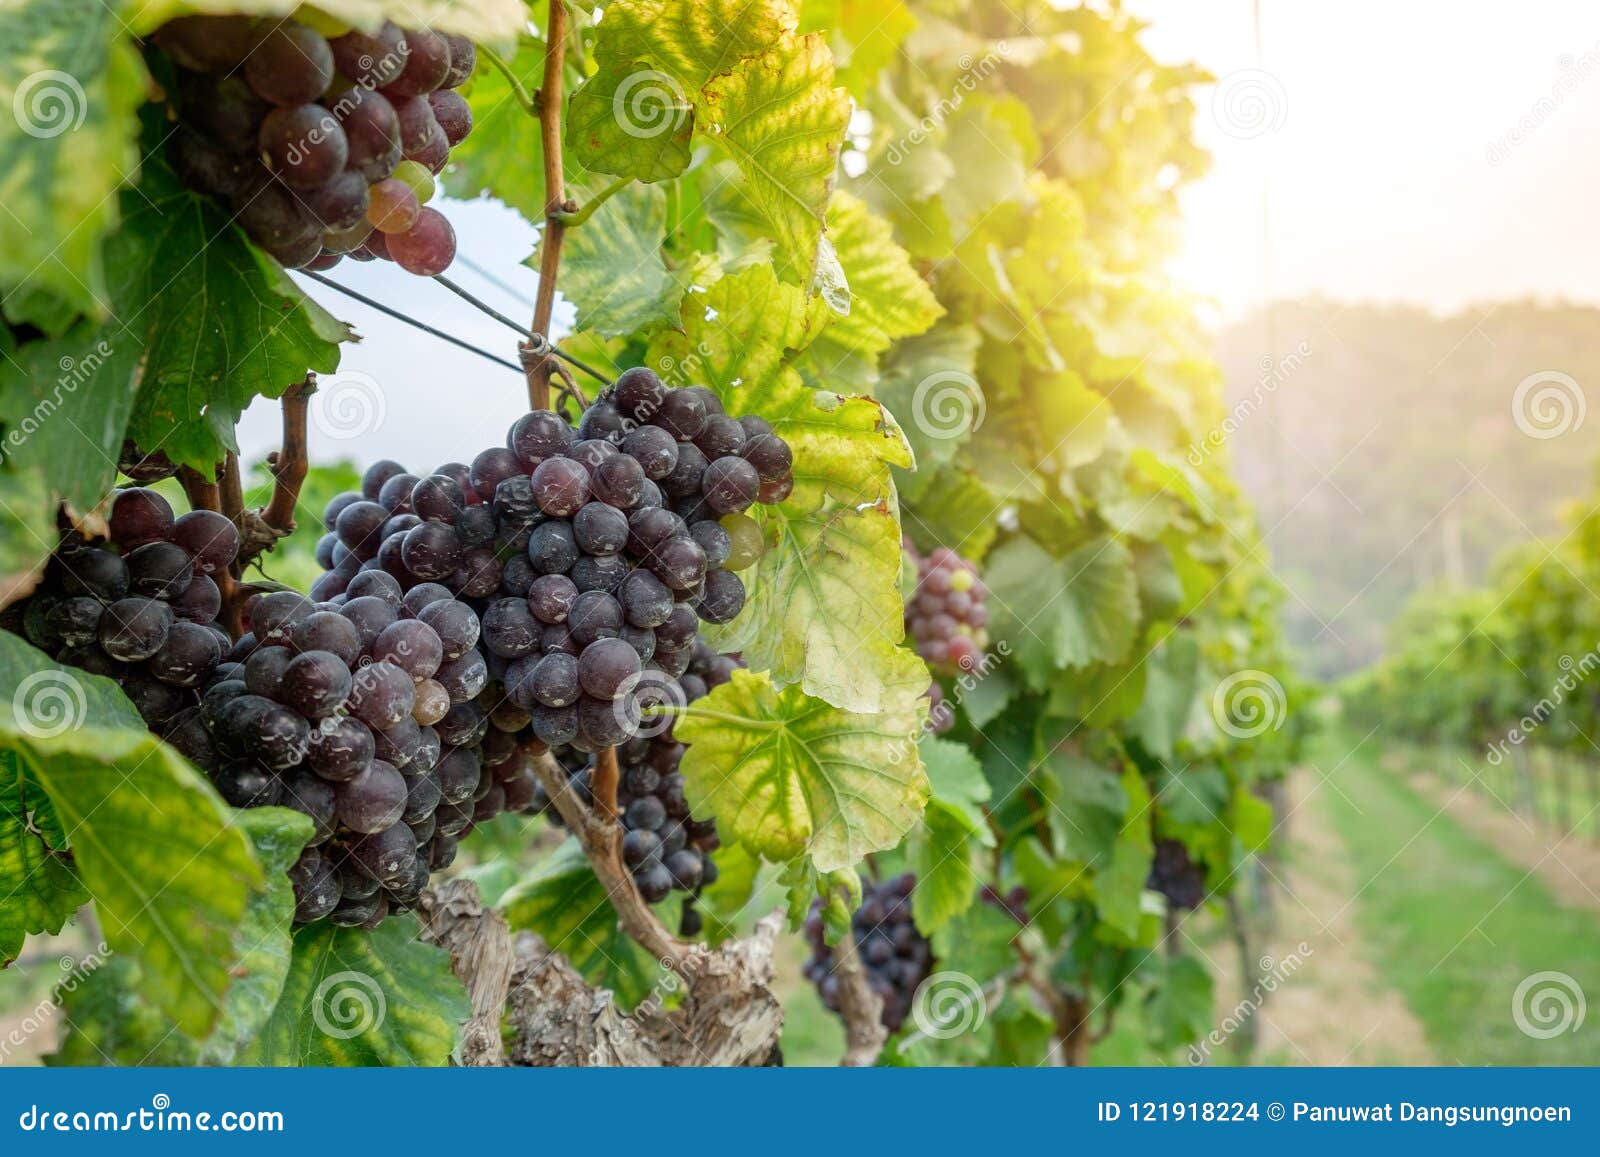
[
  {"x": 290, "y": 463},
  {"x": 860, "y": 1008},
  {"x": 586, "y": 210},
  {"x": 604, "y": 784},
  {"x": 555, "y": 200},
  {"x": 601, "y": 840},
  {"x": 529, "y": 101}
]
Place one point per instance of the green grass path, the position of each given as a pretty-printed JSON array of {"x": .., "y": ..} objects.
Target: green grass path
[{"x": 1450, "y": 923}]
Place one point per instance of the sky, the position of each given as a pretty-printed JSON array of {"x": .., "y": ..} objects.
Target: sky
[{"x": 1392, "y": 150}]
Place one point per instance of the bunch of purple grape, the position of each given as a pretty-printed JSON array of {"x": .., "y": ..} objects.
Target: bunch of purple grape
[
  {"x": 140, "y": 608},
  {"x": 589, "y": 555},
  {"x": 896, "y": 956},
  {"x": 1176, "y": 875},
  {"x": 946, "y": 620},
  {"x": 322, "y": 141},
  {"x": 948, "y": 616},
  {"x": 363, "y": 713}
]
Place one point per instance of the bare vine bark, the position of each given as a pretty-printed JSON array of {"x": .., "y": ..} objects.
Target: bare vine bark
[
  {"x": 728, "y": 1015},
  {"x": 860, "y": 1008}
]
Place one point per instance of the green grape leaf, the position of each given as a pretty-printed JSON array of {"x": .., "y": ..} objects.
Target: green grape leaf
[
  {"x": 216, "y": 322},
  {"x": 691, "y": 40},
  {"x": 362, "y": 998},
  {"x": 631, "y": 119},
  {"x": 726, "y": 901},
  {"x": 170, "y": 874},
  {"x": 955, "y": 778},
  {"x": 42, "y": 889},
  {"x": 782, "y": 121},
  {"x": 565, "y": 903},
  {"x": 109, "y": 1021},
  {"x": 503, "y": 156},
  {"x": 1087, "y": 807},
  {"x": 70, "y": 85},
  {"x": 941, "y": 853},
  {"x": 977, "y": 943},
  {"x": 1063, "y": 612},
  {"x": 788, "y": 775},
  {"x": 1119, "y": 881},
  {"x": 635, "y": 116},
  {"x": 65, "y": 405},
  {"x": 930, "y": 384},
  {"x": 889, "y": 300},
  {"x": 263, "y": 943},
  {"x": 950, "y": 507},
  {"x": 1169, "y": 691},
  {"x": 1024, "y": 1034},
  {"x": 823, "y": 607},
  {"x": 864, "y": 35},
  {"x": 1178, "y": 1011},
  {"x": 612, "y": 268}
]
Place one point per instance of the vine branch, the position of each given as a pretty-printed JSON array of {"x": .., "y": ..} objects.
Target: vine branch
[
  {"x": 859, "y": 1007},
  {"x": 601, "y": 840},
  {"x": 555, "y": 200}
]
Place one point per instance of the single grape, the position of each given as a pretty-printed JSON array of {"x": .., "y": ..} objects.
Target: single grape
[
  {"x": 455, "y": 624},
  {"x": 339, "y": 205},
  {"x": 646, "y": 601},
  {"x": 722, "y": 436},
  {"x": 428, "y": 247},
  {"x": 339, "y": 747},
  {"x": 619, "y": 480},
  {"x": 746, "y": 542},
  {"x": 464, "y": 678},
  {"x": 133, "y": 629},
  {"x": 304, "y": 145},
  {"x": 211, "y": 539},
  {"x": 552, "y": 548},
  {"x": 594, "y": 615},
  {"x": 560, "y": 486},
  {"x": 139, "y": 516},
  {"x": 605, "y": 666},
  {"x": 159, "y": 570},
  {"x": 509, "y": 628},
  {"x": 187, "y": 657},
  {"x": 382, "y": 695},
  {"x": 418, "y": 177},
  {"x": 426, "y": 67},
  {"x": 315, "y": 683},
  {"x": 431, "y": 551},
  {"x": 681, "y": 414},
  {"x": 374, "y": 60},
  {"x": 392, "y": 207},
  {"x": 638, "y": 393},
  {"x": 723, "y": 597},
  {"x": 550, "y": 597},
  {"x": 289, "y": 65},
  {"x": 600, "y": 529},
  {"x": 246, "y": 784},
  {"x": 454, "y": 115},
  {"x": 730, "y": 485},
  {"x": 373, "y": 799},
  {"x": 679, "y": 562},
  {"x": 372, "y": 133}
]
